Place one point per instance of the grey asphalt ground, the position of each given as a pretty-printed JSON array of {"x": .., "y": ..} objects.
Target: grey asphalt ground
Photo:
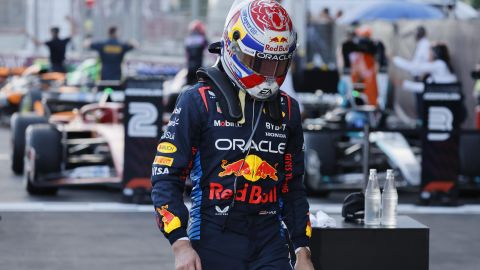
[{"x": 130, "y": 240}]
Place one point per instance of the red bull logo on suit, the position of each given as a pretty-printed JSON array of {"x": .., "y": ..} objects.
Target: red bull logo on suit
[
  {"x": 248, "y": 193},
  {"x": 252, "y": 168}
]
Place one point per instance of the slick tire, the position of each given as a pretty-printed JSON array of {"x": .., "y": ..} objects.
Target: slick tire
[
  {"x": 321, "y": 159},
  {"x": 19, "y": 124},
  {"x": 43, "y": 156}
]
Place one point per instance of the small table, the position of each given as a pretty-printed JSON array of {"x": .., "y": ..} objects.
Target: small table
[{"x": 357, "y": 246}]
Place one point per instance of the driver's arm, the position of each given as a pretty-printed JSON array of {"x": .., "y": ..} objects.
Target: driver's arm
[{"x": 172, "y": 163}]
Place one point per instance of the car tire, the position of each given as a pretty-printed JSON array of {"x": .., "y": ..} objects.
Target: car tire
[
  {"x": 19, "y": 124},
  {"x": 43, "y": 156},
  {"x": 320, "y": 160}
]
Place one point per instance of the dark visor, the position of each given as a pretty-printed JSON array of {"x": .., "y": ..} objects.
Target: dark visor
[{"x": 271, "y": 65}]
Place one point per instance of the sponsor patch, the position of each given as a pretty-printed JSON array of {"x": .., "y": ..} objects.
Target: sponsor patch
[
  {"x": 168, "y": 135},
  {"x": 252, "y": 168},
  {"x": 170, "y": 221},
  {"x": 159, "y": 171},
  {"x": 167, "y": 148},
  {"x": 173, "y": 122},
  {"x": 276, "y": 48},
  {"x": 265, "y": 212},
  {"x": 177, "y": 110},
  {"x": 239, "y": 144},
  {"x": 278, "y": 39},
  {"x": 275, "y": 57},
  {"x": 276, "y": 135},
  {"x": 161, "y": 160},
  {"x": 250, "y": 194},
  {"x": 225, "y": 123},
  {"x": 220, "y": 211},
  {"x": 273, "y": 127}
]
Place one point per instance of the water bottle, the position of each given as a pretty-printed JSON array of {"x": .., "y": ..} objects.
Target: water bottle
[
  {"x": 389, "y": 201},
  {"x": 372, "y": 200}
]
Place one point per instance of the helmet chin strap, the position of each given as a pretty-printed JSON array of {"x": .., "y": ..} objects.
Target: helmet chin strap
[{"x": 241, "y": 97}]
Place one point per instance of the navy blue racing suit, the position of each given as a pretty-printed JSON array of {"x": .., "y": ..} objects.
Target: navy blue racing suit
[{"x": 200, "y": 141}]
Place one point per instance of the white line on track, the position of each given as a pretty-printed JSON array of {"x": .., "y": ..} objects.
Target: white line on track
[{"x": 134, "y": 208}]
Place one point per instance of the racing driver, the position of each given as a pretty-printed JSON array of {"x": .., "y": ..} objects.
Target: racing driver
[{"x": 243, "y": 152}]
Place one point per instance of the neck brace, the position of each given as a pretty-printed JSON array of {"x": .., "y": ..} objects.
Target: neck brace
[{"x": 229, "y": 100}]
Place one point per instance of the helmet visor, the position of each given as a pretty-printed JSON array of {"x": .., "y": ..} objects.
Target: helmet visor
[{"x": 265, "y": 64}]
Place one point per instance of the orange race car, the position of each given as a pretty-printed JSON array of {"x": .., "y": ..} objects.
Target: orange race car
[{"x": 34, "y": 78}]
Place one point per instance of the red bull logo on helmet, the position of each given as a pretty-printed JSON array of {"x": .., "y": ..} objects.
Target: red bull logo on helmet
[
  {"x": 278, "y": 40},
  {"x": 252, "y": 168},
  {"x": 276, "y": 48}
]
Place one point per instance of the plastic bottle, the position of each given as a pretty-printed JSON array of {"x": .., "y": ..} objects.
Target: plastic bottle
[
  {"x": 389, "y": 201},
  {"x": 372, "y": 200}
]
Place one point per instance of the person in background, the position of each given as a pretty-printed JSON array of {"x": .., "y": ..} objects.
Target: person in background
[
  {"x": 438, "y": 67},
  {"x": 364, "y": 65},
  {"x": 476, "y": 94},
  {"x": 339, "y": 14},
  {"x": 348, "y": 46},
  {"x": 56, "y": 46},
  {"x": 195, "y": 44},
  {"x": 422, "y": 50},
  {"x": 421, "y": 55},
  {"x": 476, "y": 77},
  {"x": 325, "y": 16},
  {"x": 111, "y": 52}
]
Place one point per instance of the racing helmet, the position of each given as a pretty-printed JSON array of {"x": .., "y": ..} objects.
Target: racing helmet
[{"x": 257, "y": 47}]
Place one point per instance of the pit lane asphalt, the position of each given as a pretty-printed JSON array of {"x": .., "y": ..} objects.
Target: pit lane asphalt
[{"x": 91, "y": 229}]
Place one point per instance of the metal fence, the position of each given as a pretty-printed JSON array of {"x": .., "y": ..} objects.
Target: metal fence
[{"x": 158, "y": 25}]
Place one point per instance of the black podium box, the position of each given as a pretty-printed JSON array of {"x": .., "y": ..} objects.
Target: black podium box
[{"x": 357, "y": 246}]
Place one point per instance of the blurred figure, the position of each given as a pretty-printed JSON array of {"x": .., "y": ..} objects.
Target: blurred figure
[
  {"x": 476, "y": 93},
  {"x": 363, "y": 64},
  {"x": 111, "y": 53},
  {"x": 421, "y": 55},
  {"x": 195, "y": 43},
  {"x": 422, "y": 50},
  {"x": 348, "y": 46},
  {"x": 339, "y": 14},
  {"x": 56, "y": 46},
  {"x": 438, "y": 67},
  {"x": 325, "y": 16},
  {"x": 476, "y": 77}
]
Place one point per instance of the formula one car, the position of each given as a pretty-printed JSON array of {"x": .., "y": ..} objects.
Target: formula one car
[
  {"x": 36, "y": 78},
  {"x": 7, "y": 72},
  {"x": 85, "y": 147},
  {"x": 22, "y": 93},
  {"x": 335, "y": 140},
  {"x": 55, "y": 106}
]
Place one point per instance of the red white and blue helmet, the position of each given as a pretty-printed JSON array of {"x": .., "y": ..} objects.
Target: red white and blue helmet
[{"x": 257, "y": 47}]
